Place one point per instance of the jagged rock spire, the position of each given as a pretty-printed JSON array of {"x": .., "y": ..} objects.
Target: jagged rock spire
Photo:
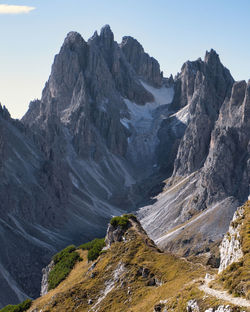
[
  {"x": 106, "y": 36},
  {"x": 4, "y": 112},
  {"x": 145, "y": 66}
]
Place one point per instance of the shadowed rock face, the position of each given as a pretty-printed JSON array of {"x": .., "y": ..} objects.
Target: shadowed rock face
[{"x": 107, "y": 130}]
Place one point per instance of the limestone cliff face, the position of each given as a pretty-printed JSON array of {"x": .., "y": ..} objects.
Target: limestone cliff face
[
  {"x": 230, "y": 248},
  {"x": 204, "y": 87},
  {"x": 229, "y": 156},
  {"x": 45, "y": 278},
  {"x": 200, "y": 90}
]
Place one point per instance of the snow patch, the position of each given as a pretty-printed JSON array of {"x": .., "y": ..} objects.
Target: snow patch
[
  {"x": 144, "y": 122},
  {"x": 183, "y": 115},
  {"x": 140, "y": 113},
  {"x": 161, "y": 95}
]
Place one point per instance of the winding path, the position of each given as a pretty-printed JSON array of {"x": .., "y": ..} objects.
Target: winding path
[{"x": 223, "y": 295}]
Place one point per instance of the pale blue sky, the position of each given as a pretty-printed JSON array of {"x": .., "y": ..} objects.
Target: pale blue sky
[{"x": 171, "y": 31}]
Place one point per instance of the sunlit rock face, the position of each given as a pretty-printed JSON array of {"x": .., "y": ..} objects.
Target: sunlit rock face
[
  {"x": 230, "y": 248},
  {"x": 45, "y": 278}
]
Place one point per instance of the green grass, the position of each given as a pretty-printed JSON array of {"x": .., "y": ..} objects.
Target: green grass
[
  {"x": 64, "y": 262},
  {"x": 94, "y": 248},
  {"x": 21, "y": 307},
  {"x": 122, "y": 221}
]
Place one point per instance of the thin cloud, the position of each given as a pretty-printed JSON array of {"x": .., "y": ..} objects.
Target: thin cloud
[{"x": 15, "y": 9}]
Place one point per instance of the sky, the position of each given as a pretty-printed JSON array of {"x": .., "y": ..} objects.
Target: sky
[{"x": 32, "y": 32}]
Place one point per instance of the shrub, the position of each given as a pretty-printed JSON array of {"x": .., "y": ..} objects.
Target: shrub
[
  {"x": 94, "y": 248},
  {"x": 122, "y": 221},
  {"x": 64, "y": 262},
  {"x": 94, "y": 242},
  {"x": 61, "y": 255},
  {"x": 21, "y": 307}
]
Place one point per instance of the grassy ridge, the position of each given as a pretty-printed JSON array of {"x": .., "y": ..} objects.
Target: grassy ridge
[
  {"x": 64, "y": 262},
  {"x": 129, "y": 257}
]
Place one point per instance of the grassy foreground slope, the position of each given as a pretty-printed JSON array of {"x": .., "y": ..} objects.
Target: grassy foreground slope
[{"x": 133, "y": 275}]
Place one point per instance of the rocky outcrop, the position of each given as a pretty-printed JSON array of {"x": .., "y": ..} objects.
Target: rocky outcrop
[
  {"x": 192, "y": 306},
  {"x": 221, "y": 308},
  {"x": 114, "y": 234},
  {"x": 230, "y": 248},
  {"x": 161, "y": 307},
  {"x": 45, "y": 278}
]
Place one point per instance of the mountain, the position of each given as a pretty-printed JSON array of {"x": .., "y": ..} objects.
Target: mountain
[
  {"x": 66, "y": 167},
  {"x": 111, "y": 135}
]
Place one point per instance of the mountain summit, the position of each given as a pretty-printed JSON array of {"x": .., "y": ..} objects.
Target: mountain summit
[{"x": 111, "y": 135}]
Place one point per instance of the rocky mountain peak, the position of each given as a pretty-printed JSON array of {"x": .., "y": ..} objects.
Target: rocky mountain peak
[
  {"x": 74, "y": 46},
  {"x": 105, "y": 40},
  {"x": 211, "y": 56},
  {"x": 4, "y": 112},
  {"x": 145, "y": 66},
  {"x": 72, "y": 38},
  {"x": 131, "y": 42},
  {"x": 94, "y": 37},
  {"x": 90, "y": 149},
  {"x": 106, "y": 36}
]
